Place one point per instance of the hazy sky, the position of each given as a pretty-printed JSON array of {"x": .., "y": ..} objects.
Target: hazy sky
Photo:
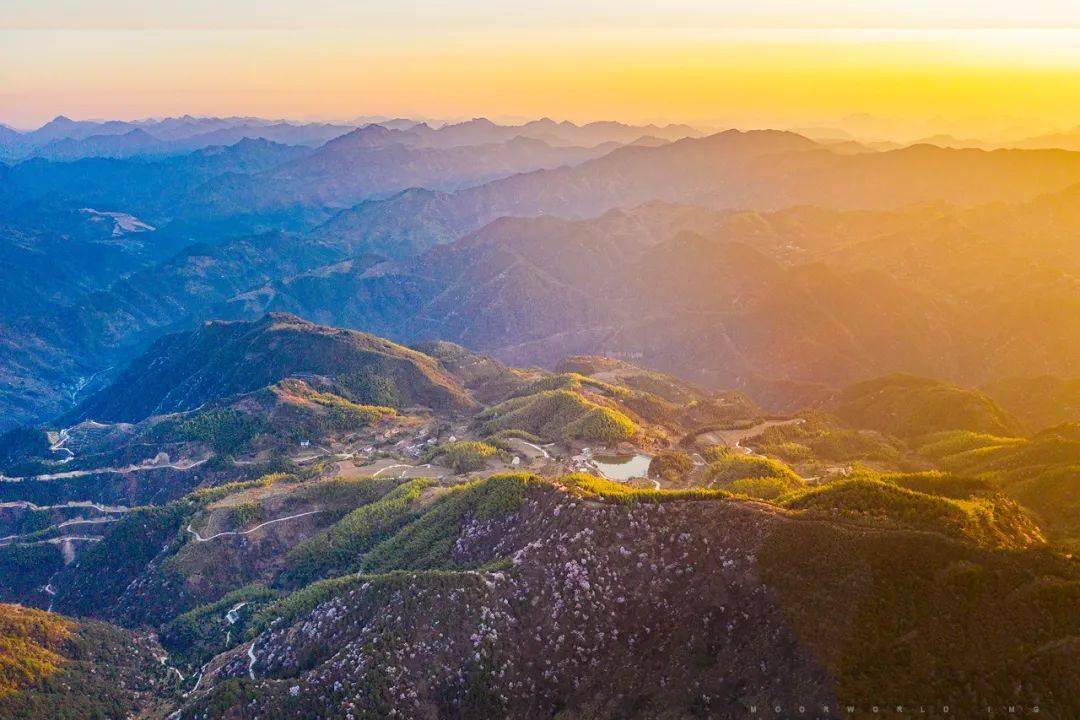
[{"x": 962, "y": 65}]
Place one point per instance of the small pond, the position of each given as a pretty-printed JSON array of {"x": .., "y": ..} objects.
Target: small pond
[{"x": 622, "y": 467}]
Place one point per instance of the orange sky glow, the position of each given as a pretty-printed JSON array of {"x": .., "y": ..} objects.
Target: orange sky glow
[{"x": 1001, "y": 68}]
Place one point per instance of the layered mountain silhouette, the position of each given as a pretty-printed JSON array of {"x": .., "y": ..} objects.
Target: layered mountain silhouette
[
  {"x": 760, "y": 170},
  {"x": 806, "y": 267},
  {"x": 730, "y": 298}
]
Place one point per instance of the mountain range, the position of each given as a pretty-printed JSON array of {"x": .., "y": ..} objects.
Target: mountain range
[
  {"x": 281, "y": 518},
  {"x": 65, "y": 139},
  {"x": 804, "y": 296},
  {"x": 761, "y": 260}
]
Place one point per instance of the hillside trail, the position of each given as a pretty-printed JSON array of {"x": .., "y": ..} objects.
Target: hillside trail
[{"x": 200, "y": 538}]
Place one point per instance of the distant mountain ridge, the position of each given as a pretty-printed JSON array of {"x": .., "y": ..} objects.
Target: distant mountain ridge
[
  {"x": 760, "y": 170},
  {"x": 65, "y": 139},
  {"x": 809, "y": 295}
]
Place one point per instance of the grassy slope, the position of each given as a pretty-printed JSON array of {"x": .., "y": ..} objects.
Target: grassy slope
[
  {"x": 990, "y": 521},
  {"x": 751, "y": 475},
  {"x": 823, "y": 438},
  {"x": 1041, "y": 472},
  {"x": 907, "y": 406}
]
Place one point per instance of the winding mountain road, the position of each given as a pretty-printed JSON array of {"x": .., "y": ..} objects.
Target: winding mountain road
[
  {"x": 200, "y": 538},
  {"x": 158, "y": 463},
  {"x": 380, "y": 471},
  {"x": 27, "y": 505}
]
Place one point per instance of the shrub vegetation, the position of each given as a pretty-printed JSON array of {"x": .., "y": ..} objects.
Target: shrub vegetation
[
  {"x": 671, "y": 466},
  {"x": 559, "y": 415},
  {"x": 728, "y": 466},
  {"x": 463, "y": 456}
]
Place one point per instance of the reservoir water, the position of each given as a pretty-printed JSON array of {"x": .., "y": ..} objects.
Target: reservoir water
[{"x": 623, "y": 467}]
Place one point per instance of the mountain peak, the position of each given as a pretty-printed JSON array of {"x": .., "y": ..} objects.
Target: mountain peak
[
  {"x": 220, "y": 359},
  {"x": 58, "y": 122},
  {"x": 371, "y": 135}
]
